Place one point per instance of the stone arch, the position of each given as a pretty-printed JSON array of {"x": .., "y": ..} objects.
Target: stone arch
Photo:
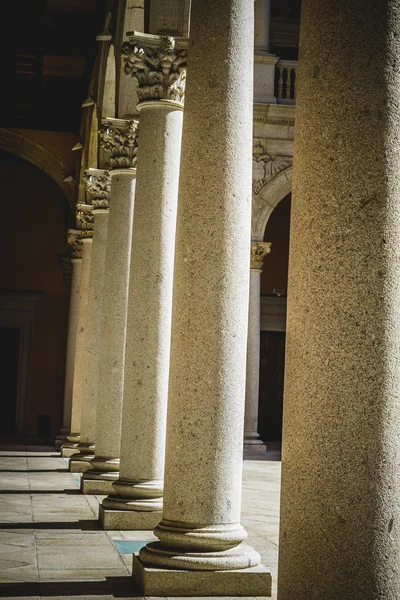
[
  {"x": 18, "y": 144},
  {"x": 266, "y": 200},
  {"x": 108, "y": 99}
]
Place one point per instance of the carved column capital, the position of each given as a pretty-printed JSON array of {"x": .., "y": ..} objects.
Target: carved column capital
[
  {"x": 258, "y": 251},
  {"x": 74, "y": 241},
  {"x": 120, "y": 138},
  {"x": 159, "y": 65},
  {"x": 98, "y": 183},
  {"x": 85, "y": 220}
]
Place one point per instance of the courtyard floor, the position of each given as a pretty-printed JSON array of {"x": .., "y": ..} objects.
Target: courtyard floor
[{"x": 51, "y": 545}]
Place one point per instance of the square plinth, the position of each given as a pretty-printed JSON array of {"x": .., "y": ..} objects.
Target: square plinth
[
  {"x": 67, "y": 452},
  {"x": 128, "y": 520},
  {"x": 260, "y": 448},
  {"x": 255, "y": 581},
  {"x": 78, "y": 466},
  {"x": 96, "y": 486}
]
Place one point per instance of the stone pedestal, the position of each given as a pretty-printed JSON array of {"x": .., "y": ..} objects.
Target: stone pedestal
[
  {"x": 200, "y": 534},
  {"x": 98, "y": 182},
  {"x": 252, "y": 442},
  {"x": 340, "y": 498},
  {"x": 85, "y": 220},
  {"x": 139, "y": 488},
  {"x": 75, "y": 246},
  {"x": 118, "y": 137}
]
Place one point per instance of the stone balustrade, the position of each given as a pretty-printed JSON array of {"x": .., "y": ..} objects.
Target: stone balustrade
[{"x": 285, "y": 81}]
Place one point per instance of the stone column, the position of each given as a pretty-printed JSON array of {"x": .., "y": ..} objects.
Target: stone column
[
  {"x": 117, "y": 136},
  {"x": 98, "y": 183},
  {"x": 252, "y": 441},
  {"x": 159, "y": 64},
  {"x": 264, "y": 61},
  {"x": 85, "y": 221},
  {"x": 340, "y": 500},
  {"x": 200, "y": 550},
  {"x": 75, "y": 246}
]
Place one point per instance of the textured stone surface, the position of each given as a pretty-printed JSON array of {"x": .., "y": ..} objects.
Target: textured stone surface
[
  {"x": 80, "y": 340},
  {"x": 340, "y": 503},
  {"x": 71, "y": 341},
  {"x": 201, "y": 515},
  {"x": 149, "y": 308},
  {"x": 113, "y": 321},
  {"x": 90, "y": 358},
  {"x": 255, "y": 581},
  {"x": 95, "y": 486},
  {"x": 128, "y": 520}
]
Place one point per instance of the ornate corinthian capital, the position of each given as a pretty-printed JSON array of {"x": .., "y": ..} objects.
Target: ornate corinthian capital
[
  {"x": 159, "y": 65},
  {"x": 120, "y": 138},
  {"x": 74, "y": 243},
  {"x": 85, "y": 220},
  {"x": 98, "y": 183},
  {"x": 258, "y": 251}
]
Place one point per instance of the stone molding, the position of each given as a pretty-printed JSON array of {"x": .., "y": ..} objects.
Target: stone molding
[
  {"x": 74, "y": 243},
  {"x": 98, "y": 184},
  {"x": 267, "y": 166},
  {"x": 119, "y": 137},
  {"x": 85, "y": 220},
  {"x": 273, "y": 313},
  {"x": 258, "y": 251},
  {"x": 159, "y": 65}
]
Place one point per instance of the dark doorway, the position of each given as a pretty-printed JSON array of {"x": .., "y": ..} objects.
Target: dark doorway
[
  {"x": 272, "y": 368},
  {"x": 9, "y": 361}
]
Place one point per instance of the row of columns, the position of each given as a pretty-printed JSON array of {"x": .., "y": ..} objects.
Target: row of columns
[
  {"x": 145, "y": 350},
  {"x": 340, "y": 508}
]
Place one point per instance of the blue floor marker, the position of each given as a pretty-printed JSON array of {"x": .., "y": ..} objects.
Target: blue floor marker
[{"x": 128, "y": 546}]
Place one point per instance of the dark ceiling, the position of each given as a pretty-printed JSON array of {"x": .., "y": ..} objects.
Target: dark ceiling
[{"x": 47, "y": 54}]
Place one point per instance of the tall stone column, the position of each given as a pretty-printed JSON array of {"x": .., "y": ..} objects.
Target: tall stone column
[
  {"x": 160, "y": 66},
  {"x": 98, "y": 183},
  {"x": 75, "y": 247},
  {"x": 85, "y": 221},
  {"x": 340, "y": 500},
  {"x": 252, "y": 441},
  {"x": 200, "y": 551},
  {"x": 119, "y": 137},
  {"x": 264, "y": 61}
]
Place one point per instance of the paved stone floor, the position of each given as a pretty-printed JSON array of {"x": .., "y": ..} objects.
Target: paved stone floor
[{"x": 52, "y": 547}]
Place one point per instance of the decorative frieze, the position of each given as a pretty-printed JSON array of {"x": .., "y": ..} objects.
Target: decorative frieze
[
  {"x": 98, "y": 184},
  {"x": 258, "y": 251},
  {"x": 74, "y": 241},
  {"x": 119, "y": 137},
  {"x": 266, "y": 167},
  {"x": 85, "y": 220},
  {"x": 159, "y": 65}
]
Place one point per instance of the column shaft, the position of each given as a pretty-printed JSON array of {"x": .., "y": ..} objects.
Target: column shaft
[
  {"x": 262, "y": 13},
  {"x": 200, "y": 534},
  {"x": 340, "y": 499},
  {"x": 105, "y": 465},
  {"x": 71, "y": 343}
]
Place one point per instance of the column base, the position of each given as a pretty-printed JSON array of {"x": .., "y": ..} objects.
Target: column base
[
  {"x": 255, "y": 448},
  {"x": 68, "y": 450},
  {"x": 128, "y": 520},
  {"x": 79, "y": 463},
  {"x": 254, "y": 581},
  {"x": 94, "y": 482}
]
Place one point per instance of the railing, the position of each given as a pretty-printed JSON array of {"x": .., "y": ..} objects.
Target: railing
[{"x": 285, "y": 81}]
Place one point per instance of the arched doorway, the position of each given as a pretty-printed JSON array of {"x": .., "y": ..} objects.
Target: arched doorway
[{"x": 33, "y": 298}]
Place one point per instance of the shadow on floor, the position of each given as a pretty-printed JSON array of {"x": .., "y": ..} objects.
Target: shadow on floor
[
  {"x": 82, "y": 524},
  {"x": 118, "y": 587}
]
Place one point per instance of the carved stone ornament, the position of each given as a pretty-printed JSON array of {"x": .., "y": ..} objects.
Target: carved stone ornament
[
  {"x": 119, "y": 137},
  {"x": 66, "y": 267},
  {"x": 266, "y": 166},
  {"x": 159, "y": 65},
  {"x": 85, "y": 220},
  {"x": 98, "y": 183},
  {"x": 75, "y": 243},
  {"x": 258, "y": 251}
]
